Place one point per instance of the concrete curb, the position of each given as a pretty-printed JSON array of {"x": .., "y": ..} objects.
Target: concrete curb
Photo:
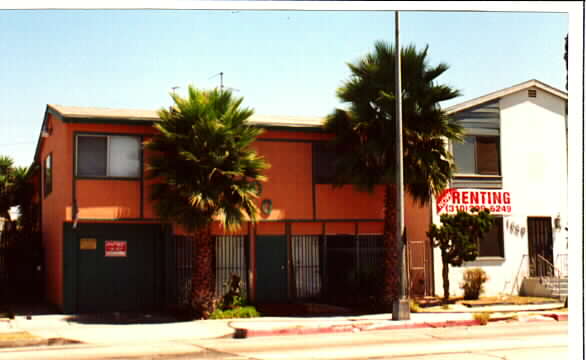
[{"x": 241, "y": 333}]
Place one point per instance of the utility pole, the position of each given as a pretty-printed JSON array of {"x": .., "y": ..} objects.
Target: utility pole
[{"x": 401, "y": 309}]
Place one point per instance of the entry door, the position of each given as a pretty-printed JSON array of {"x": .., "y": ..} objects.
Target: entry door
[
  {"x": 539, "y": 233},
  {"x": 271, "y": 269}
]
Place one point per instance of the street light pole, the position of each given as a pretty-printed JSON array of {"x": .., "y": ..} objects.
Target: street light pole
[{"x": 401, "y": 309}]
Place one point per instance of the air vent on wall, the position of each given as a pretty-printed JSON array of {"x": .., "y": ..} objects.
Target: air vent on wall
[{"x": 532, "y": 93}]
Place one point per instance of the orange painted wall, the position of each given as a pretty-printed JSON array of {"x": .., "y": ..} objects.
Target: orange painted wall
[
  {"x": 108, "y": 199},
  {"x": 300, "y": 135},
  {"x": 347, "y": 203},
  {"x": 289, "y": 184},
  {"x": 54, "y": 206},
  {"x": 308, "y": 228},
  {"x": 347, "y": 228},
  {"x": 417, "y": 221},
  {"x": 270, "y": 228}
]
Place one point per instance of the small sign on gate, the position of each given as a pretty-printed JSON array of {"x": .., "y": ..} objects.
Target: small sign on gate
[
  {"x": 115, "y": 248},
  {"x": 87, "y": 244}
]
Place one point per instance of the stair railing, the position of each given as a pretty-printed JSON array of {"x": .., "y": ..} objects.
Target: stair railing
[
  {"x": 562, "y": 263},
  {"x": 516, "y": 285},
  {"x": 556, "y": 272}
]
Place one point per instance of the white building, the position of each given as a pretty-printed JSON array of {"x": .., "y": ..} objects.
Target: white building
[{"x": 514, "y": 159}]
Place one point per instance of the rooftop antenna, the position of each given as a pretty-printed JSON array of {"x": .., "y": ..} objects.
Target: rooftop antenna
[{"x": 221, "y": 73}]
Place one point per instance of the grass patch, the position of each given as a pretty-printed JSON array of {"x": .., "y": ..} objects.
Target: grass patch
[
  {"x": 508, "y": 300},
  {"x": 236, "y": 313},
  {"x": 414, "y": 306},
  {"x": 482, "y": 317},
  {"x": 17, "y": 336}
]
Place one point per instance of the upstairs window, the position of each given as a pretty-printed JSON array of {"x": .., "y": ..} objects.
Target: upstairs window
[
  {"x": 48, "y": 175},
  {"x": 323, "y": 163},
  {"x": 478, "y": 155},
  {"x": 108, "y": 156}
]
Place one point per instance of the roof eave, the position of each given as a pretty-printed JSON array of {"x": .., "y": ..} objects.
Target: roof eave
[{"x": 504, "y": 92}]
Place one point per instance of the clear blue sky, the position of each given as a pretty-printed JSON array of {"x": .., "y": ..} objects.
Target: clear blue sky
[{"x": 281, "y": 62}]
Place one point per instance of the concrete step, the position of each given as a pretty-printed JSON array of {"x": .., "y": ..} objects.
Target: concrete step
[{"x": 558, "y": 286}]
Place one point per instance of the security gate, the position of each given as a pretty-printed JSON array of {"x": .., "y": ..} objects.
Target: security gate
[
  {"x": 272, "y": 271},
  {"x": 117, "y": 269},
  {"x": 539, "y": 232}
]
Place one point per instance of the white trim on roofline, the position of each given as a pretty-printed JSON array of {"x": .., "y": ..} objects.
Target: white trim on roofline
[{"x": 504, "y": 92}]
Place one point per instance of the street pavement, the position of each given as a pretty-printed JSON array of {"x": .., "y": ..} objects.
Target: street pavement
[{"x": 146, "y": 328}]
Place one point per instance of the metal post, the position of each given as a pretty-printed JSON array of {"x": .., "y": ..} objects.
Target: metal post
[{"x": 401, "y": 305}]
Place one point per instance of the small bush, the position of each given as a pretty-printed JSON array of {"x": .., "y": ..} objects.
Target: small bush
[
  {"x": 240, "y": 312},
  {"x": 482, "y": 317},
  {"x": 473, "y": 283}
]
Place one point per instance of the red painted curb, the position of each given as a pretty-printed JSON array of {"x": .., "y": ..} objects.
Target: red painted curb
[
  {"x": 558, "y": 317},
  {"x": 352, "y": 328}
]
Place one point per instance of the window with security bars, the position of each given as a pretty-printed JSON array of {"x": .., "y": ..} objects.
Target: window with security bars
[
  {"x": 230, "y": 260},
  {"x": 306, "y": 265}
]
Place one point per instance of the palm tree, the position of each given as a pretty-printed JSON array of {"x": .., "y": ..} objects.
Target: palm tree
[
  {"x": 365, "y": 133},
  {"x": 6, "y": 186},
  {"x": 207, "y": 172},
  {"x": 16, "y": 189}
]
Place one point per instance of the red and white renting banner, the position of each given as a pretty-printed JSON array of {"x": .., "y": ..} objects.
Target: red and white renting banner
[
  {"x": 115, "y": 248},
  {"x": 450, "y": 201}
]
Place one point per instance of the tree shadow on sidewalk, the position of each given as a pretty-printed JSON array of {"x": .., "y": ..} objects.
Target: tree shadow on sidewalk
[{"x": 123, "y": 318}]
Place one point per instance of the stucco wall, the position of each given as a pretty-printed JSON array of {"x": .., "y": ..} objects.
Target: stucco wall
[
  {"x": 533, "y": 164},
  {"x": 55, "y": 206}
]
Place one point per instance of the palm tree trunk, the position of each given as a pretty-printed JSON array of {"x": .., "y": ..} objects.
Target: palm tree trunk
[
  {"x": 391, "y": 280},
  {"x": 203, "y": 276}
]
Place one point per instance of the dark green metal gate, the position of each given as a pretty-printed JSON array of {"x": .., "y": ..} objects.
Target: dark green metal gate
[
  {"x": 271, "y": 269},
  {"x": 115, "y": 267}
]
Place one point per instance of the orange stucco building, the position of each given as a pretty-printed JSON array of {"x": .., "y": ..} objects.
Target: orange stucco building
[{"x": 105, "y": 249}]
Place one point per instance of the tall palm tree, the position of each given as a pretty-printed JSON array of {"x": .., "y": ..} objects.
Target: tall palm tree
[
  {"x": 365, "y": 136},
  {"x": 207, "y": 172}
]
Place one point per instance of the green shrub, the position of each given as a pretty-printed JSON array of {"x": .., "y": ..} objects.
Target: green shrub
[
  {"x": 473, "y": 283},
  {"x": 239, "y": 312}
]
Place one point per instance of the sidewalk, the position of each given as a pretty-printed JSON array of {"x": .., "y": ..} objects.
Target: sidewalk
[
  {"x": 63, "y": 329},
  {"x": 456, "y": 316}
]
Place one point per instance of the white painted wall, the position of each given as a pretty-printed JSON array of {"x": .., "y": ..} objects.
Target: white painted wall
[{"x": 533, "y": 164}]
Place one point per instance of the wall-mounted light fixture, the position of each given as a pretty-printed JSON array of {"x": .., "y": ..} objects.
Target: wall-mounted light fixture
[
  {"x": 557, "y": 223},
  {"x": 266, "y": 207}
]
